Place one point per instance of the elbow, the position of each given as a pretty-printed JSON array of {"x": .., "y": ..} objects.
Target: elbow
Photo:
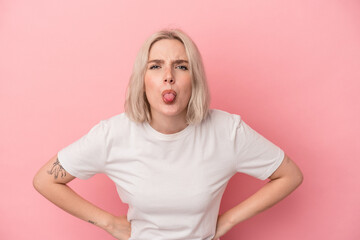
[
  {"x": 37, "y": 182},
  {"x": 298, "y": 179},
  {"x": 40, "y": 183},
  {"x": 295, "y": 174}
]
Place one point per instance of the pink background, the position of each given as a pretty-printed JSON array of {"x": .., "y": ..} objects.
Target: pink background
[{"x": 291, "y": 69}]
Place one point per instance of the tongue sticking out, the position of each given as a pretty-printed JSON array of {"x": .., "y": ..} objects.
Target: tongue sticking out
[{"x": 169, "y": 97}]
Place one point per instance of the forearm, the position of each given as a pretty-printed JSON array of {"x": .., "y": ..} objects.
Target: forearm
[
  {"x": 64, "y": 197},
  {"x": 270, "y": 194},
  {"x": 51, "y": 181},
  {"x": 283, "y": 181}
]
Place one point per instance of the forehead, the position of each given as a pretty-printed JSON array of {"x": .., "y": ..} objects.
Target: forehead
[{"x": 168, "y": 48}]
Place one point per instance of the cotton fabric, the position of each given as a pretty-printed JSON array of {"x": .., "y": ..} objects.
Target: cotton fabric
[{"x": 173, "y": 183}]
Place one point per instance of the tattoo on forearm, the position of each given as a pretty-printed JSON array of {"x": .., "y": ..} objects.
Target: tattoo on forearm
[
  {"x": 92, "y": 222},
  {"x": 57, "y": 170}
]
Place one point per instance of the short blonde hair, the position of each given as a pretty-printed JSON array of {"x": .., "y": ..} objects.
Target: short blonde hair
[{"x": 137, "y": 106}]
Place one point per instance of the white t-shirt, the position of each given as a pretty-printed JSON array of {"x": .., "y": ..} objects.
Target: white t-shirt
[{"x": 173, "y": 183}]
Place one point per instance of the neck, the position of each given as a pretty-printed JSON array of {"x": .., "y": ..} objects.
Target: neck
[{"x": 168, "y": 124}]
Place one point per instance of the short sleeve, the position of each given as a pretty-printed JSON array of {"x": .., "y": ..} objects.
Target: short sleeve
[
  {"x": 86, "y": 156},
  {"x": 255, "y": 155}
]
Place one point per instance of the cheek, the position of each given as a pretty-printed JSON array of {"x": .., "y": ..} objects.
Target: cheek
[
  {"x": 188, "y": 87},
  {"x": 148, "y": 82},
  {"x": 150, "y": 86}
]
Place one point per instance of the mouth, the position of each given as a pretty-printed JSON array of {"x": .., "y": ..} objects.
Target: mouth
[{"x": 168, "y": 96}]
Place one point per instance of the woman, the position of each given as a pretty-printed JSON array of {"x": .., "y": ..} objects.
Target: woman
[{"x": 169, "y": 156}]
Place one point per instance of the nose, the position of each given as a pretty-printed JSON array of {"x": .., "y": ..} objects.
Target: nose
[{"x": 169, "y": 77}]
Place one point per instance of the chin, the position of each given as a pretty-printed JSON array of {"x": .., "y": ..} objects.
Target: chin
[{"x": 173, "y": 111}]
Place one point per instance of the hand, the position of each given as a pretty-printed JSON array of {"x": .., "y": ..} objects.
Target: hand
[
  {"x": 222, "y": 226},
  {"x": 120, "y": 228}
]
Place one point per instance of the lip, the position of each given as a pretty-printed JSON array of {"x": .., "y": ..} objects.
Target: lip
[{"x": 166, "y": 92}]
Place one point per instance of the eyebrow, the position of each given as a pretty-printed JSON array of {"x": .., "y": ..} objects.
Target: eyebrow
[{"x": 179, "y": 61}]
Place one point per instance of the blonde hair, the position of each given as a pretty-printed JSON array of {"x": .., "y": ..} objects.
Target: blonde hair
[{"x": 137, "y": 106}]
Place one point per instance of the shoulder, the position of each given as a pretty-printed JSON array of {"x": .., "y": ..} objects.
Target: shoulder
[
  {"x": 119, "y": 120},
  {"x": 219, "y": 117},
  {"x": 222, "y": 122},
  {"x": 114, "y": 124},
  {"x": 119, "y": 123},
  {"x": 116, "y": 119}
]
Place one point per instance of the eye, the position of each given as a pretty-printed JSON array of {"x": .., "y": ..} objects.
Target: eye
[
  {"x": 154, "y": 67},
  {"x": 182, "y": 67}
]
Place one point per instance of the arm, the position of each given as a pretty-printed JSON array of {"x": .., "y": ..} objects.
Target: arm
[
  {"x": 282, "y": 182},
  {"x": 51, "y": 182}
]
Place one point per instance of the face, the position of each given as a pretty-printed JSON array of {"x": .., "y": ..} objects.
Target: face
[{"x": 167, "y": 79}]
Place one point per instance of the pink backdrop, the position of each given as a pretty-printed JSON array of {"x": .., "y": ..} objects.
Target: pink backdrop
[{"x": 290, "y": 68}]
